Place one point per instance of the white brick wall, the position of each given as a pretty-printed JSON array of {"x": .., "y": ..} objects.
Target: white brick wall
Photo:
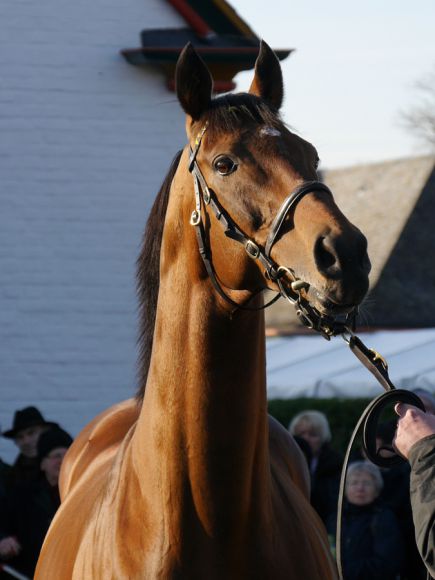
[{"x": 85, "y": 141}]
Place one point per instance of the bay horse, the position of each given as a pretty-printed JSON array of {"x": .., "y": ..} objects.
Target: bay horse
[{"x": 192, "y": 479}]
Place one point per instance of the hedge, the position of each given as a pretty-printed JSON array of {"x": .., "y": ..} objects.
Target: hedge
[{"x": 342, "y": 414}]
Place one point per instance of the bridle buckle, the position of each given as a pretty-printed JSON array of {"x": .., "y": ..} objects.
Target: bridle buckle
[
  {"x": 206, "y": 196},
  {"x": 378, "y": 357},
  {"x": 195, "y": 218},
  {"x": 252, "y": 249}
]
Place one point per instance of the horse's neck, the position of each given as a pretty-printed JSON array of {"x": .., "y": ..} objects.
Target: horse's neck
[{"x": 203, "y": 422}]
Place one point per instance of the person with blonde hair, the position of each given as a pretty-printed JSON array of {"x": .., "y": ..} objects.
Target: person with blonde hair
[{"x": 325, "y": 463}]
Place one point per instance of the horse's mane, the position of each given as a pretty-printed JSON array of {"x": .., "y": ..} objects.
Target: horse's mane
[
  {"x": 226, "y": 114},
  {"x": 148, "y": 274}
]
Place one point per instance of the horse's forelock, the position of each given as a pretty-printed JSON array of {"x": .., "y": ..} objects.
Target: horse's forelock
[{"x": 231, "y": 112}]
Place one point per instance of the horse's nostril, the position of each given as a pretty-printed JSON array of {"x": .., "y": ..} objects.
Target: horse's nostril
[
  {"x": 342, "y": 258},
  {"x": 325, "y": 256}
]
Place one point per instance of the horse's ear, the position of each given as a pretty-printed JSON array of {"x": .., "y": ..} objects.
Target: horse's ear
[
  {"x": 267, "y": 82},
  {"x": 193, "y": 82}
]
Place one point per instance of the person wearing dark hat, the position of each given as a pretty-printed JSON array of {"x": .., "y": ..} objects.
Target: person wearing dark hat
[
  {"x": 26, "y": 516},
  {"x": 27, "y": 427}
]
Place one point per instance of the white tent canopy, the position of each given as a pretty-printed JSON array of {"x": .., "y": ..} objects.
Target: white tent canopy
[{"x": 310, "y": 366}]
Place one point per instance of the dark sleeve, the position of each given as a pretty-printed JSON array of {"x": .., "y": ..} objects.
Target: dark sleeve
[{"x": 422, "y": 461}]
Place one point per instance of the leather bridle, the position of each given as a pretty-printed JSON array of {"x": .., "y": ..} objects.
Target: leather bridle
[
  {"x": 288, "y": 285},
  {"x": 308, "y": 315}
]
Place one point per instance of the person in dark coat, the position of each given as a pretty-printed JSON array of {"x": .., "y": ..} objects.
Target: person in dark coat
[
  {"x": 27, "y": 427},
  {"x": 325, "y": 463},
  {"x": 30, "y": 507},
  {"x": 4, "y": 479},
  {"x": 395, "y": 495},
  {"x": 372, "y": 544},
  {"x": 415, "y": 441}
]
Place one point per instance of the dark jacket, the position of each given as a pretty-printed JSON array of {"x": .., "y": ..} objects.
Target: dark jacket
[
  {"x": 371, "y": 542},
  {"x": 422, "y": 461},
  {"x": 395, "y": 495},
  {"x": 4, "y": 475},
  {"x": 24, "y": 470},
  {"x": 325, "y": 482},
  {"x": 27, "y": 515}
]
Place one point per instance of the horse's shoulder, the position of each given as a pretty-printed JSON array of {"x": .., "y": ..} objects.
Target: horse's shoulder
[
  {"x": 286, "y": 458},
  {"x": 97, "y": 443}
]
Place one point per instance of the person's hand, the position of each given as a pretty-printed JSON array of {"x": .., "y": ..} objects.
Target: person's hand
[
  {"x": 412, "y": 426},
  {"x": 9, "y": 547}
]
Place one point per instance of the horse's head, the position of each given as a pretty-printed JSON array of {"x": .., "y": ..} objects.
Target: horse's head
[{"x": 251, "y": 162}]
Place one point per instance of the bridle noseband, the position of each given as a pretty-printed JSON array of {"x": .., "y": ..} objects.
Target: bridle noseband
[
  {"x": 288, "y": 285},
  {"x": 290, "y": 203}
]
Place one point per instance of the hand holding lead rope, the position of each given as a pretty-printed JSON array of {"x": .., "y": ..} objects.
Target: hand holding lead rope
[
  {"x": 378, "y": 366},
  {"x": 372, "y": 420}
]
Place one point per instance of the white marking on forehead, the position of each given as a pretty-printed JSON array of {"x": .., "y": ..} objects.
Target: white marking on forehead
[{"x": 271, "y": 131}]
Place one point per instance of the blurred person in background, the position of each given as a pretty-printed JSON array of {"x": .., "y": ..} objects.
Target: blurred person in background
[
  {"x": 4, "y": 475},
  {"x": 324, "y": 464},
  {"x": 27, "y": 427},
  {"x": 372, "y": 545},
  {"x": 26, "y": 515}
]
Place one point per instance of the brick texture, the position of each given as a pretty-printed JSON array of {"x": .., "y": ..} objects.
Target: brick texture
[{"x": 85, "y": 141}]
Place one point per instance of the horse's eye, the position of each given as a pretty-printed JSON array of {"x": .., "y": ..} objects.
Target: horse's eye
[{"x": 224, "y": 165}]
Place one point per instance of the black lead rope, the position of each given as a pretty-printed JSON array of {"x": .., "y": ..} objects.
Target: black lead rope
[{"x": 369, "y": 422}]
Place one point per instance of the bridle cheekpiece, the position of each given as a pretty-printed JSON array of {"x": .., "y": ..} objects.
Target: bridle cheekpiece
[{"x": 288, "y": 285}]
